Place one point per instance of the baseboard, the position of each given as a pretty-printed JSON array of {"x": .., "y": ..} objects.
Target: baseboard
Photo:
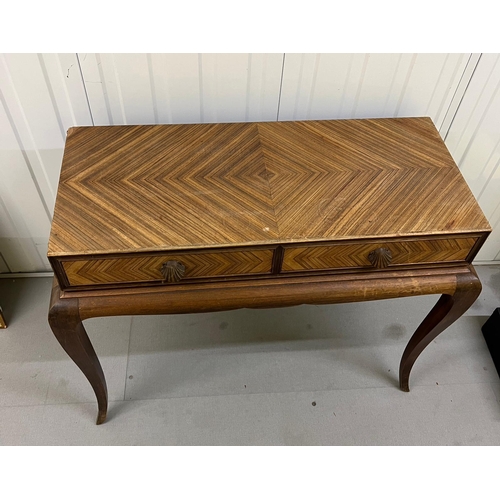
[{"x": 27, "y": 275}]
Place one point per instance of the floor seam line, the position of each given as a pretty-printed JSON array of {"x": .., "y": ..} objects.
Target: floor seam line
[{"x": 128, "y": 357}]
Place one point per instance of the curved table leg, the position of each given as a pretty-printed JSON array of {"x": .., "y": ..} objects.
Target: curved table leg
[
  {"x": 66, "y": 324},
  {"x": 447, "y": 310}
]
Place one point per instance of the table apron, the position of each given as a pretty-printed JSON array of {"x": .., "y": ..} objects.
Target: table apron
[{"x": 270, "y": 294}]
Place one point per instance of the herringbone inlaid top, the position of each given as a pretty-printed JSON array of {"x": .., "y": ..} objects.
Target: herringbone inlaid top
[{"x": 163, "y": 187}]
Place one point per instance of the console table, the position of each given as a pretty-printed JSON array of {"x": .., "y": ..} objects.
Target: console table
[{"x": 210, "y": 217}]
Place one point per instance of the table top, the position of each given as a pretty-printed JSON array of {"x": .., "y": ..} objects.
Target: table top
[{"x": 142, "y": 188}]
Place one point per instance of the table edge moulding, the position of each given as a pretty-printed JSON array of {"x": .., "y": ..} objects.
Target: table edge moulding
[{"x": 172, "y": 219}]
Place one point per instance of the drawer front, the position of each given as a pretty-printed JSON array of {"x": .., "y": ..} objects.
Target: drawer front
[
  {"x": 137, "y": 269},
  {"x": 357, "y": 255}
]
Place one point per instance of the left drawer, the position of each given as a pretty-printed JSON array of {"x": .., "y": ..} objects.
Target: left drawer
[{"x": 115, "y": 270}]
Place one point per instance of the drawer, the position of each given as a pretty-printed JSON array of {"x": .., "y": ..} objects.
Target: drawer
[
  {"x": 180, "y": 267},
  {"x": 358, "y": 255}
]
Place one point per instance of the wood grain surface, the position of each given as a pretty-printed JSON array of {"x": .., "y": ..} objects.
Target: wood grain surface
[
  {"x": 95, "y": 271},
  {"x": 169, "y": 187},
  {"x": 354, "y": 255}
]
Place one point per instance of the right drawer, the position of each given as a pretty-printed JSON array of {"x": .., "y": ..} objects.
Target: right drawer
[{"x": 376, "y": 255}]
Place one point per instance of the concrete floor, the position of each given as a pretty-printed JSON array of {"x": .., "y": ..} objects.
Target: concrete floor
[{"x": 308, "y": 375}]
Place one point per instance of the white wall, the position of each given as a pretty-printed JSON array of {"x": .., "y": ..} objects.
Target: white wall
[
  {"x": 324, "y": 86},
  {"x": 181, "y": 88},
  {"x": 474, "y": 142},
  {"x": 43, "y": 95}
]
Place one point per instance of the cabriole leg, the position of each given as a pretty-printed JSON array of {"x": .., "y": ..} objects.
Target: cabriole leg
[
  {"x": 447, "y": 310},
  {"x": 66, "y": 324}
]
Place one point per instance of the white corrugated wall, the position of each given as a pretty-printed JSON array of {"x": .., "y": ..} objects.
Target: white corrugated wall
[{"x": 42, "y": 95}]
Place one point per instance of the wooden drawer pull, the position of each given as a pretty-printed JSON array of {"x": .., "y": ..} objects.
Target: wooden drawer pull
[
  {"x": 173, "y": 271},
  {"x": 380, "y": 258}
]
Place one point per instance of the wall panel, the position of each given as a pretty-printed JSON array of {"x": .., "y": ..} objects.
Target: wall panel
[
  {"x": 334, "y": 86},
  {"x": 129, "y": 89},
  {"x": 41, "y": 97},
  {"x": 474, "y": 142}
]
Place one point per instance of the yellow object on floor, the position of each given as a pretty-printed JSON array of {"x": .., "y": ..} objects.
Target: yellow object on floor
[{"x": 3, "y": 324}]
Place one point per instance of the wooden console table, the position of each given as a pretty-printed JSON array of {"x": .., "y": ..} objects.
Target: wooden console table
[{"x": 210, "y": 217}]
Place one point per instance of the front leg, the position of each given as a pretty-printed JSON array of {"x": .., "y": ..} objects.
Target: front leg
[
  {"x": 66, "y": 324},
  {"x": 447, "y": 310}
]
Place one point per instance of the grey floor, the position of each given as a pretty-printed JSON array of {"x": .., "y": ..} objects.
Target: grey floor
[{"x": 307, "y": 375}]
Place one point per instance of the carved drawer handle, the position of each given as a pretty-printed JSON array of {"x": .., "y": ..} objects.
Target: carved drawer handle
[
  {"x": 173, "y": 271},
  {"x": 380, "y": 258}
]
